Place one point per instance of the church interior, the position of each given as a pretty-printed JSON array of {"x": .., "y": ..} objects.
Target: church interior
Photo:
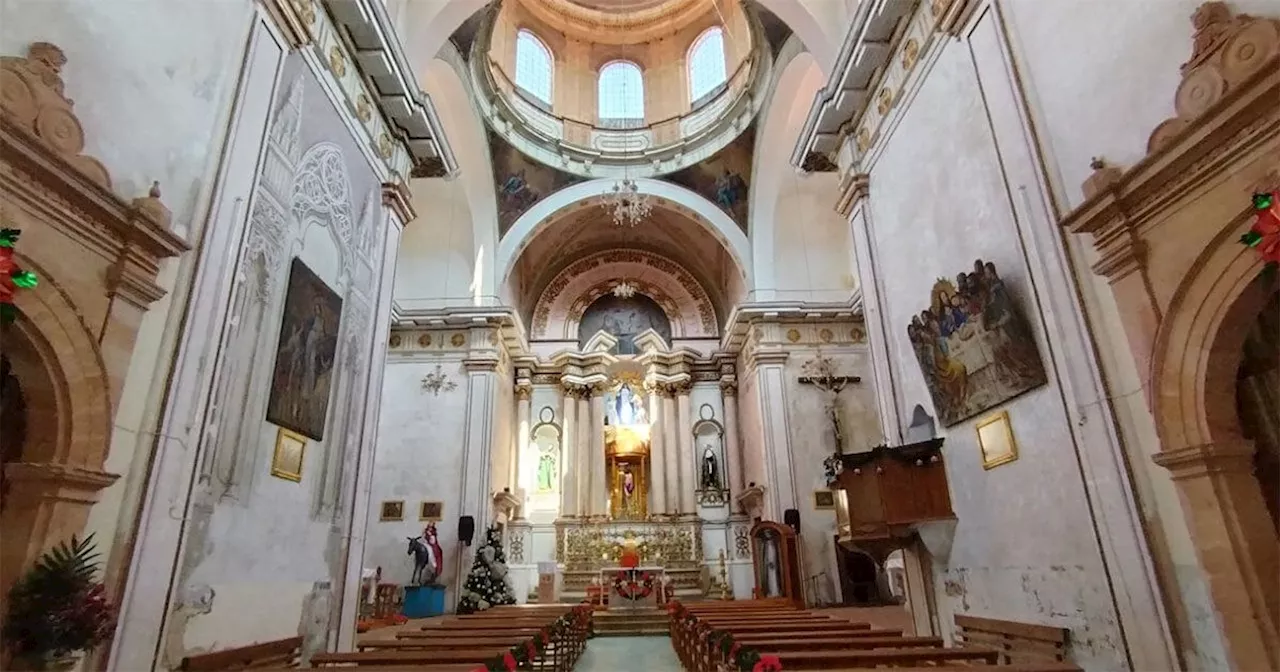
[{"x": 640, "y": 335}]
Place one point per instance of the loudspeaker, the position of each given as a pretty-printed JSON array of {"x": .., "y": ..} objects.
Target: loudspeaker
[
  {"x": 466, "y": 529},
  {"x": 792, "y": 518}
]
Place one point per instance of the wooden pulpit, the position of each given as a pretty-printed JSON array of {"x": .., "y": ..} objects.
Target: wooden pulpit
[{"x": 885, "y": 494}]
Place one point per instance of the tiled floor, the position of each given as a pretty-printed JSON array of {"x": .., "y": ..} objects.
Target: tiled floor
[{"x": 628, "y": 654}]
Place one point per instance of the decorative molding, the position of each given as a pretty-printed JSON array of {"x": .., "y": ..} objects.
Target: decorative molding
[
  {"x": 396, "y": 195},
  {"x": 853, "y": 188}
]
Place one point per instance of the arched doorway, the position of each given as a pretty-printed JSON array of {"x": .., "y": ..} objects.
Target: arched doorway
[
  {"x": 859, "y": 578},
  {"x": 1258, "y": 401},
  {"x": 13, "y": 420}
]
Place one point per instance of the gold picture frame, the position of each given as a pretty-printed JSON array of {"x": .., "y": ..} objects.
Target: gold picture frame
[
  {"x": 995, "y": 440},
  {"x": 824, "y": 500},
  {"x": 286, "y": 462},
  {"x": 431, "y": 511},
  {"x": 391, "y": 510}
]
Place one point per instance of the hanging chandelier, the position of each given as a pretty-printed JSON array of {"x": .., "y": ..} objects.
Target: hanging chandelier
[{"x": 628, "y": 205}]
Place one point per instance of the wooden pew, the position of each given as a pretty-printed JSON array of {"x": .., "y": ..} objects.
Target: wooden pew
[
  {"x": 1017, "y": 642},
  {"x": 278, "y": 653},
  {"x": 776, "y": 644},
  {"x": 826, "y": 660}
]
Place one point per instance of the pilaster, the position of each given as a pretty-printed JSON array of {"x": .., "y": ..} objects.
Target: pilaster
[
  {"x": 684, "y": 411},
  {"x": 569, "y": 449},
  {"x": 736, "y": 467},
  {"x": 598, "y": 490},
  {"x": 671, "y": 470},
  {"x": 657, "y": 455},
  {"x": 520, "y": 475},
  {"x": 477, "y": 453},
  {"x": 775, "y": 424}
]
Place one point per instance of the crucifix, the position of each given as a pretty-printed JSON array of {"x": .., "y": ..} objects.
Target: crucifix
[{"x": 821, "y": 373}]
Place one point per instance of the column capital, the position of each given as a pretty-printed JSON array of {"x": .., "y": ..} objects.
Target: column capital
[
  {"x": 680, "y": 389},
  {"x": 524, "y": 390},
  {"x": 729, "y": 386},
  {"x": 853, "y": 188},
  {"x": 395, "y": 195},
  {"x": 574, "y": 390},
  {"x": 480, "y": 363},
  {"x": 1206, "y": 459}
]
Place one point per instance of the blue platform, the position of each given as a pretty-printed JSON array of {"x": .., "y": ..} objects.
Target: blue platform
[{"x": 423, "y": 601}]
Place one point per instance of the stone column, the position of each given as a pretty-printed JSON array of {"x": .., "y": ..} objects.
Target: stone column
[
  {"x": 599, "y": 493},
  {"x": 771, "y": 381},
  {"x": 735, "y": 469},
  {"x": 569, "y": 476},
  {"x": 671, "y": 470},
  {"x": 684, "y": 429},
  {"x": 657, "y": 455},
  {"x": 519, "y": 479},
  {"x": 477, "y": 445},
  {"x": 584, "y": 450}
]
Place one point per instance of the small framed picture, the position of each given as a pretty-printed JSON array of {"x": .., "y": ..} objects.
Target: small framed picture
[
  {"x": 824, "y": 499},
  {"x": 995, "y": 439},
  {"x": 391, "y": 510},
  {"x": 433, "y": 511},
  {"x": 286, "y": 462}
]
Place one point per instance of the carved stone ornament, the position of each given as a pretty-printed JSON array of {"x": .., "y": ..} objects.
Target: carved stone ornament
[
  {"x": 1226, "y": 51},
  {"x": 32, "y": 97},
  {"x": 713, "y": 498}
]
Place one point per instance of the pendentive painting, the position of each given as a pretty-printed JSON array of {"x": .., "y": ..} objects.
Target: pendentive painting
[
  {"x": 303, "y": 373},
  {"x": 520, "y": 182},
  {"x": 975, "y": 348},
  {"x": 724, "y": 178}
]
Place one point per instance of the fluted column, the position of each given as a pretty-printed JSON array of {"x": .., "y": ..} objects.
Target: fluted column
[
  {"x": 735, "y": 470},
  {"x": 568, "y": 452},
  {"x": 584, "y": 451},
  {"x": 598, "y": 490},
  {"x": 684, "y": 428},
  {"x": 657, "y": 455},
  {"x": 671, "y": 470},
  {"x": 519, "y": 480}
]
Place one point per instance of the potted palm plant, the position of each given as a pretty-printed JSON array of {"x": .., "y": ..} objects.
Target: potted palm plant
[{"x": 58, "y": 610}]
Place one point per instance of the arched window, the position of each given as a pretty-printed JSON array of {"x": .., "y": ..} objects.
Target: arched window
[
  {"x": 534, "y": 66},
  {"x": 620, "y": 94},
  {"x": 706, "y": 64}
]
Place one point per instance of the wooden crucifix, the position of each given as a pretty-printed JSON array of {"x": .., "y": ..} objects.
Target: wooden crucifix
[{"x": 821, "y": 373}]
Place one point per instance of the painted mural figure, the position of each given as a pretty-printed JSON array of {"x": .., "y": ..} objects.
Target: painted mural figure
[
  {"x": 974, "y": 348},
  {"x": 729, "y": 188}
]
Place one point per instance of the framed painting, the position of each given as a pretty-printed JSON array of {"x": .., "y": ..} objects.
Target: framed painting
[
  {"x": 974, "y": 347},
  {"x": 824, "y": 499},
  {"x": 391, "y": 510},
  {"x": 995, "y": 439},
  {"x": 286, "y": 462},
  {"x": 433, "y": 511},
  {"x": 303, "y": 374}
]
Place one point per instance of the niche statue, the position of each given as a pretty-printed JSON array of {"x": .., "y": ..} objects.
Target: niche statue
[{"x": 710, "y": 470}]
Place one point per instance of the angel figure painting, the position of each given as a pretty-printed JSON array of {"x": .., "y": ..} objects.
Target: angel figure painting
[
  {"x": 304, "y": 357},
  {"x": 974, "y": 347}
]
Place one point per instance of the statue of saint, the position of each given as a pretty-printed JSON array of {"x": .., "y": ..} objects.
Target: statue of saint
[
  {"x": 623, "y": 406},
  {"x": 640, "y": 412},
  {"x": 710, "y": 470},
  {"x": 546, "y": 473},
  {"x": 772, "y": 572}
]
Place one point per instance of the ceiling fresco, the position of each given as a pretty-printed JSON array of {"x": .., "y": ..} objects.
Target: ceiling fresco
[
  {"x": 723, "y": 179},
  {"x": 520, "y": 182}
]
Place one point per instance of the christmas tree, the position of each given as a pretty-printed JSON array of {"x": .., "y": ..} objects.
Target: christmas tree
[{"x": 486, "y": 585}]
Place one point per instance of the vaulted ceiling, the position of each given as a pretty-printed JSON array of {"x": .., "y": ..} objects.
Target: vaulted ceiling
[{"x": 590, "y": 229}]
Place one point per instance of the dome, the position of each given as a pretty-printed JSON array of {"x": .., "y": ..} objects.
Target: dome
[{"x": 598, "y": 88}]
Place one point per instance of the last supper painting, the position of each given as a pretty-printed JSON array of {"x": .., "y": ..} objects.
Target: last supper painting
[
  {"x": 975, "y": 348},
  {"x": 304, "y": 358}
]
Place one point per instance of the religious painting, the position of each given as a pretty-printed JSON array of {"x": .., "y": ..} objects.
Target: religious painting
[
  {"x": 520, "y": 182},
  {"x": 824, "y": 500},
  {"x": 626, "y": 406},
  {"x": 286, "y": 462},
  {"x": 995, "y": 439},
  {"x": 432, "y": 511},
  {"x": 391, "y": 510},
  {"x": 624, "y": 319},
  {"x": 305, "y": 355},
  {"x": 723, "y": 179},
  {"x": 974, "y": 347}
]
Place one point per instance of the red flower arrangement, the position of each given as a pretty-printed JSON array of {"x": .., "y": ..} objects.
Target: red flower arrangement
[
  {"x": 12, "y": 278},
  {"x": 58, "y": 607},
  {"x": 1264, "y": 235},
  {"x": 530, "y": 649},
  {"x": 632, "y": 585}
]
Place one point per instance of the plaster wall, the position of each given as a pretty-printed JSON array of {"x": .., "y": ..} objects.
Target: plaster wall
[
  {"x": 813, "y": 256},
  {"x": 124, "y": 63},
  {"x": 750, "y": 427},
  {"x": 437, "y": 262},
  {"x": 419, "y": 458},
  {"x": 1084, "y": 107},
  {"x": 1024, "y": 547}
]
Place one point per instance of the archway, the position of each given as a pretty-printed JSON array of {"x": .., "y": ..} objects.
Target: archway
[
  {"x": 859, "y": 578},
  {"x": 1258, "y": 402}
]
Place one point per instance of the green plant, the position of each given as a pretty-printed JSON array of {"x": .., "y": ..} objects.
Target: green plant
[{"x": 58, "y": 607}]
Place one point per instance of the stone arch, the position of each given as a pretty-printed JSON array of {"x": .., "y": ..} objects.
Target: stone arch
[
  {"x": 560, "y": 306},
  {"x": 1196, "y": 355},
  {"x": 543, "y": 214},
  {"x": 74, "y": 386},
  {"x": 321, "y": 192}
]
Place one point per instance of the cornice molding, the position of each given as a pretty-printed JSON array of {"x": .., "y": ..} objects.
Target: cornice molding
[{"x": 853, "y": 188}]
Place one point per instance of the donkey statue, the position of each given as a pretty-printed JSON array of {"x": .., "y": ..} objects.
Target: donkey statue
[{"x": 428, "y": 559}]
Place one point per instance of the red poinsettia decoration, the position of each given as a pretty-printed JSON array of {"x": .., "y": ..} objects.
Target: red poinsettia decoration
[
  {"x": 767, "y": 664},
  {"x": 510, "y": 661},
  {"x": 1264, "y": 236},
  {"x": 12, "y": 278}
]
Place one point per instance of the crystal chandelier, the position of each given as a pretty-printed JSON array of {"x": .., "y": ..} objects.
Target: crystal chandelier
[
  {"x": 628, "y": 205},
  {"x": 624, "y": 290}
]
